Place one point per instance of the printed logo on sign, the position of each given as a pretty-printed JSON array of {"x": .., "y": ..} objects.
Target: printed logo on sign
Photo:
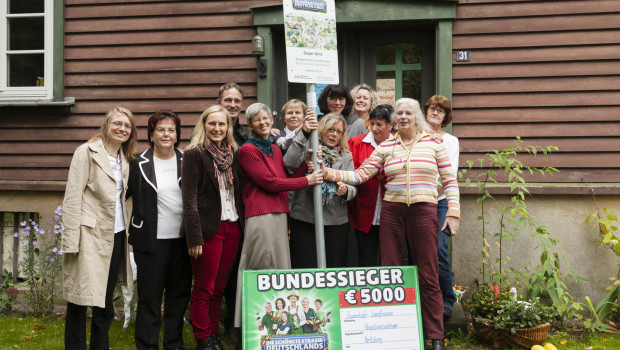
[
  {"x": 310, "y": 5},
  {"x": 316, "y": 342}
]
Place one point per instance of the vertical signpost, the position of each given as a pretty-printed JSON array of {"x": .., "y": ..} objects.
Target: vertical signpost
[{"x": 312, "y": 58}]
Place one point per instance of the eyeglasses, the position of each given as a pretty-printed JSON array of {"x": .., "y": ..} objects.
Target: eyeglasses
[
  {"x": 335, "y": 131},
  {"x": 339, "y": 99},
  {"x": 439, "y": 111},
  {"x": 121, "y": 125},
  {"x": 163, "y": 131}
]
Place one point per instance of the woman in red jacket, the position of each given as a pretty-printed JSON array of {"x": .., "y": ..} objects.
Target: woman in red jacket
[
  {"x": 265, "y": 194},
  {"x": 364, "y": 210}
]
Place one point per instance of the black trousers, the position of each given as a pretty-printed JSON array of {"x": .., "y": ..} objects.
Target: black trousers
[
  {"x": 165, "y": 273},
  {"x": 75, "y": 321},
  {"x": 368, "y": 247},
  {"x": 303, "y": 245}
]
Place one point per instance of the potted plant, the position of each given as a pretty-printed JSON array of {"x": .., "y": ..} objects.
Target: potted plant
[{"x": 501, "y": 317}]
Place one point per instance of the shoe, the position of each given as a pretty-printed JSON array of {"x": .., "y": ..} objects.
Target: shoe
[
  {"x": 204, "y": 345},
  {"x": 447, "y": 313},
  {"x": 234, "y": 335},
  {"x": 216, "y": 344},
  {"x": 438, "y": 344}
]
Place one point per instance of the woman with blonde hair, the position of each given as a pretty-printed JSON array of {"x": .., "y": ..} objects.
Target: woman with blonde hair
[
  {"x": 335, "y": 154},
  {"x": 413, "y": 162},
  {"x": 365, "y": 100},
  {"x": 94, "y": 239},
  {"x": 213, "y": 218}
]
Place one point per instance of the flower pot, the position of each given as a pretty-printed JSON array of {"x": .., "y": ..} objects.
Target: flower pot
[{"x": 502, "y": 338}]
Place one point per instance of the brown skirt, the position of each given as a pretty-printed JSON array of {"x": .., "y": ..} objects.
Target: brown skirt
[{"x": 265, "y": 247}]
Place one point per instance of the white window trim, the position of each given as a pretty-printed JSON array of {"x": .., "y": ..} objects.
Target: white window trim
[{"x": 30, "y": 93}]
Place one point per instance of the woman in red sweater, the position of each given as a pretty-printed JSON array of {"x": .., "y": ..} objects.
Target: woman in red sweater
[
  {"x": 265, "y": 195},
  {"x": 365, "y": 209}
]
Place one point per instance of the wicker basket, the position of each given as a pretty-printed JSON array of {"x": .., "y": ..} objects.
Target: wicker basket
[{"x": 524, "y": 337}]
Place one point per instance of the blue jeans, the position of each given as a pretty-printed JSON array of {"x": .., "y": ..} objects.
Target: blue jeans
[{"x": 445, "y": 270}]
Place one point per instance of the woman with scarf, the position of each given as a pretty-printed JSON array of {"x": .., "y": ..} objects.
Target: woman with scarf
[
  {"x": 336, "y": 155},
  {"x": 213, "y": 218},
  {"x": 265, "y": 187}
]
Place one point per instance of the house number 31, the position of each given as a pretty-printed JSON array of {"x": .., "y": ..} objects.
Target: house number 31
[{"x": 463, "y": 56}]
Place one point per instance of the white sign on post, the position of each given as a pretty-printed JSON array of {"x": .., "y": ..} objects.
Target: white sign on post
[{"x": 311, "y": 46}]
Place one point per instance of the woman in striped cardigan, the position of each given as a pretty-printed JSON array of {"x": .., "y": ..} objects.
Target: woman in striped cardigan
[{"x": 412, "y": 162}]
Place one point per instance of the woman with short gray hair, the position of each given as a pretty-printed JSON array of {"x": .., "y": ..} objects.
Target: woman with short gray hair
[{"x": 265, "y": 187}]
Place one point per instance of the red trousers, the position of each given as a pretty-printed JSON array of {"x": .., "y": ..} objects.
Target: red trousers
[
  {"x": 211, "y": 271},
  {"x": 415, "y": 227}
]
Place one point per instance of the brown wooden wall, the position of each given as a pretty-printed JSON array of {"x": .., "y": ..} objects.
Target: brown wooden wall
[
  {"x": 548, "y": 71},
  {"x": 143, "y": 55}
]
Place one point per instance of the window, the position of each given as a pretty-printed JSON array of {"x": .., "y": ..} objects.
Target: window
[
  {"x": 26, "y": 47},
  {"x": 399, "y": 71}
]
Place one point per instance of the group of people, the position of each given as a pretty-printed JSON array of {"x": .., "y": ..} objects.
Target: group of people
[
  {"x": 228, "y": 201},
  {"x": 292, "y": 318}
]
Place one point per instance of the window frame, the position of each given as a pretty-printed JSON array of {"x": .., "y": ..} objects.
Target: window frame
[{"x": 33, "y": 93}]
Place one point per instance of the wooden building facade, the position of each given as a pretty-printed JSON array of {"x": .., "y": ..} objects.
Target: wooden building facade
[{"x": 547, "y": 71}]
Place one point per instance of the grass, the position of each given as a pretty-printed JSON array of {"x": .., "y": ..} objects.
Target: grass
[
  {"x": 27, "y": 332},
  {"x": 573, "y": 340}
]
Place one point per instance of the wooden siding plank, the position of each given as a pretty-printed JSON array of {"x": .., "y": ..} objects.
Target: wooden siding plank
[
  {"x": 547, "y": 99},
  {"x": 49, "y": 174},
  {"x": 159, "y": 37},
  {"x": 537, "y": 8},
  {"x": 146, "y": 106},
  {"x": 587, "y": 129},
  {"x": 155, "y": 23},
  {"x": 539, "y": 69},
  {"x": 544, "y": 39},
  {"x": 158, "y": 51},
  {"x": 593, "y": 175},
  {"x": 162, "y": 78},
  {"x": 564, "y": 160},
  {"x": 154, "y": 92},
  {"x": 152, "y": 9},
  {"x": 35, "y": 161},
  {"x": 160, "y": 64},
  {"x": 600, "y": 160},
  {"x": 567, "y": 144},
  {"x": 546, "y": 54},
  {"x": 58, "y": 147},
  {"x": 538, "y": 84},
  {"x": 20, "y": 148},
  {"x": 535, "y": 115},
  {"x": 69, "y": 3},
  {"x": 537, "y": 24}
]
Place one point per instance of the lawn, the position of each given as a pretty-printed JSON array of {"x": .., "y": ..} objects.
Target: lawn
[
  {"x": 573, "y": 340},
  {"x": 25, "y": 332}
]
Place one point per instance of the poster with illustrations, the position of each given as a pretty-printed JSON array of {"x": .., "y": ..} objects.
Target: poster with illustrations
[
  {"x": 311, "y": 45},
  {"x": 356, "y": 308}
]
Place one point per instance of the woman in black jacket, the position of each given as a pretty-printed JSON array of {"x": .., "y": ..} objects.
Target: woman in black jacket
[
  {"x": 212, "y": 218},
  {"x": 159, "y": 249}
]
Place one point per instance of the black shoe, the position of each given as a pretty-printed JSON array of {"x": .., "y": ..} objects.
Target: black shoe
[
  {"x": 438, "y": 344},
  {"x": 204, "y": 345},
  {"x": 216, "y": 344},
  {"x": 234, "y": 335},
  {"x": 447, "y": 313}
]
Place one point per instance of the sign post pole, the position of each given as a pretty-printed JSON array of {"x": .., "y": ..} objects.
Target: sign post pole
[
  {"x": 312, "y": 58},
  {"x": 316, "y": 191}
]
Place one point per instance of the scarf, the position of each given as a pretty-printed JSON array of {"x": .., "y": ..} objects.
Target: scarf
[
  {"x": 222, "y": 159},
  {"x": 262, "y": 144},
  {"x": 329, "y": 188}
]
